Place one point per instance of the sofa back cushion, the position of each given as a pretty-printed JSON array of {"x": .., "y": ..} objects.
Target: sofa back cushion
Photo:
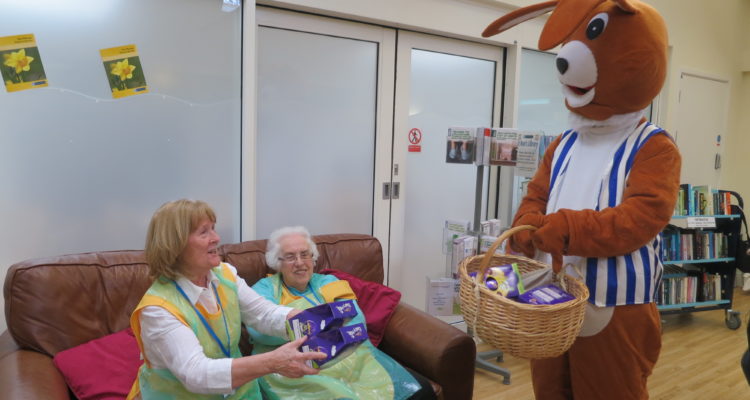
[
  {"x": 356, "y": 254},
  {"x": 53, "y": 304}
]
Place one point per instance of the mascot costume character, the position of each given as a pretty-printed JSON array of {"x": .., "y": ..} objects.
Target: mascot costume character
[{"x": 603, "y": 192}]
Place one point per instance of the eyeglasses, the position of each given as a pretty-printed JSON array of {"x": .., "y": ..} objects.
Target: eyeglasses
[{"x": 291, "y": 257}]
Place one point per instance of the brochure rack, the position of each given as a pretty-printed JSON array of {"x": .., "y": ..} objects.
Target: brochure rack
[{"x": 483, "y": 357}]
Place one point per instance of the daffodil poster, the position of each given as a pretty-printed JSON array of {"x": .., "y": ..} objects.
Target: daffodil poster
[
  {"x": 21, "y": 66},
  {"x": 124, "y": 71}
]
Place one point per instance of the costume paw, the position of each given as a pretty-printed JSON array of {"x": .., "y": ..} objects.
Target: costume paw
[{"x": 521, "y": 241}]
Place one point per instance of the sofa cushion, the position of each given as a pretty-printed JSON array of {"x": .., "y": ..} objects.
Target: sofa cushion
[
  {"x": 55, "y": 303},
  {"x": 103, "y": 368}
]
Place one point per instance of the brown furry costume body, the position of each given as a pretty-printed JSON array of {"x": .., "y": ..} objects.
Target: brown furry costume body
[{"x": 613, "y": 62}]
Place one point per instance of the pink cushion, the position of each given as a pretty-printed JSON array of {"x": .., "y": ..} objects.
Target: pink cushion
[{"x": 103, "y": 368}]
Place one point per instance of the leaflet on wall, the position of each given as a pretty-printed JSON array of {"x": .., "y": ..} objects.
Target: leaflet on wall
[
  {"x": 21, "y": 66},
  {"x": 528, "y": 154},
  {"x": 504, "y": 147},
  {"x": 460, "y": 146},
  {"x": 124, "y": 72}
]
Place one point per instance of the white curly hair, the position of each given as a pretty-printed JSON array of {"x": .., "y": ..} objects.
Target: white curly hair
[{"x": 273, "y": 248}]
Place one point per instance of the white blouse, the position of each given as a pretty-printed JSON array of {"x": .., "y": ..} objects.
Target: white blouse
[{"x": 170, "y": 344}]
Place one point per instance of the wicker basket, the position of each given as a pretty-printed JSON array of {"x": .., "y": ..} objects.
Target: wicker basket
[{"x": 523, "y": 330}]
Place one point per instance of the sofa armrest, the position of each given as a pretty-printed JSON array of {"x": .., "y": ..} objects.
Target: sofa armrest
[
  {"x": 433, "y": 348},
  {"x": 26, "y": 374},
  {"x": 7, "y": 344}
]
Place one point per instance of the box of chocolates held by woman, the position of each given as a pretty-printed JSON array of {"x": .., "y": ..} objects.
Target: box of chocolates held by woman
[
  {"x": 319, "y": 318},
  {"x": 336, "y": 343}
]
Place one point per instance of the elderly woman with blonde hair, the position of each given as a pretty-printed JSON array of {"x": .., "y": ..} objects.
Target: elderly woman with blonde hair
[
  {"x": 367, "y": 373},
  {"x": 188, "y": 323}
]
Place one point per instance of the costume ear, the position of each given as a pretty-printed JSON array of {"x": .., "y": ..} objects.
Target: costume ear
[
  {"x": 568, "y": 15},
  {"x": 626, "y": 5},
  {"x": 515, "y": 17}
]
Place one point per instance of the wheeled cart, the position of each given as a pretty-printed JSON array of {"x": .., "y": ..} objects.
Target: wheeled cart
[{"x": 698, "y": 253}]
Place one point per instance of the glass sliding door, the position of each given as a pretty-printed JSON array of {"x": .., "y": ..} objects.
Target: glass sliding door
[{"x": 323, "y": 132}]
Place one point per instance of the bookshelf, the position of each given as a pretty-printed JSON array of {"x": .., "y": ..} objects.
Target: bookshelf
[{"x": 697, "y": 253}]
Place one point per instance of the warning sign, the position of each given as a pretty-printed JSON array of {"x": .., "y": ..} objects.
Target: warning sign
[{"x": 415, "y": 138}]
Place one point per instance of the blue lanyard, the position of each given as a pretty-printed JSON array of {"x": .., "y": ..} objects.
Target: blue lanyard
[
  {"x": 320, "y": 301},
  {"x": 210, "y": 330}
]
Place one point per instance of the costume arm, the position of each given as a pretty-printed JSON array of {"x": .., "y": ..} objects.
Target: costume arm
[
  {"x": 534, "y": 205},
  {"x": 646, "y": 208}
]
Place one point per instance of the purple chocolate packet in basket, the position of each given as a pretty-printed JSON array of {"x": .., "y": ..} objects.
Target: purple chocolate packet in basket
[
  {"x": 545, "y": 294},
  {"x": 504, "y": 280}
]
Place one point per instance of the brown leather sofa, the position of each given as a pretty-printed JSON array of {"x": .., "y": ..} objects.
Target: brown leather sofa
[{"x": 52, "y": 304}]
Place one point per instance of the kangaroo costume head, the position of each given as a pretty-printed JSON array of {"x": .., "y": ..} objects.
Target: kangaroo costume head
[{"x": 613, "y": 58}]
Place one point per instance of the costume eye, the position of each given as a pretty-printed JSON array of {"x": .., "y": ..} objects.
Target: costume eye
[{"x": 597, "y": 25}]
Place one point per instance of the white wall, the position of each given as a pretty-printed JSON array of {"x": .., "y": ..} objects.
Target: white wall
[
  {"x": 711, "y": 37},
  {"x": 463, "y": 19}
]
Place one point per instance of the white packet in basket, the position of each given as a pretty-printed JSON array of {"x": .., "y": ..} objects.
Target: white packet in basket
[{"x": 537, "y": 277}]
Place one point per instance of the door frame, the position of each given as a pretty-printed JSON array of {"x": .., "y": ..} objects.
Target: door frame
[
  {"x": 385, "y": 38},
  {"x": 408, "y": 40}
]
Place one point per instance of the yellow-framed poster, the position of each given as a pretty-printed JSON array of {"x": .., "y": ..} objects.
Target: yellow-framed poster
[
  {"x": 124, "y": 71},
  {"x": 21, "y": 66}
]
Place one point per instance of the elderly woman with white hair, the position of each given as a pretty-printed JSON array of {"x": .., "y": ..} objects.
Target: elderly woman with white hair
[{"x": 367, "y": 373}]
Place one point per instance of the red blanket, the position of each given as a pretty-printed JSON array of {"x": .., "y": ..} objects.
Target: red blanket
[{"x": 376, "y": 301}]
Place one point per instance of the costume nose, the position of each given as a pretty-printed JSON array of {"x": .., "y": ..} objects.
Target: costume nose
[{"x": 562, "y": 65}]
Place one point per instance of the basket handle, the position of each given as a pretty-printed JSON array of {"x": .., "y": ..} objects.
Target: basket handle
[{"x": 556, "y": 258}]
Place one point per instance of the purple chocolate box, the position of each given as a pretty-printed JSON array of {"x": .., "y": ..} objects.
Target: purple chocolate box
[
  {"x": 335, "y": 343},
  {"x": 545, "y": 294},
  {"x": 319, "y": 318}
]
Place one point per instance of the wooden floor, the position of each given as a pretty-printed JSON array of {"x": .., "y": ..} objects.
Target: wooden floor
[{"x": 700, "y": 359}]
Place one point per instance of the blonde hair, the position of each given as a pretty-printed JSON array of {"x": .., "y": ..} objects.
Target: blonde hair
[{"x": 168, "y": 234}]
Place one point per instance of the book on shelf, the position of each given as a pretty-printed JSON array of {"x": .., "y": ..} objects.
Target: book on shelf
[
  {"x": 681, "y": 286},
  {"x": 722, "y": 202},
  {"x": 685, "y": 245},
  {"x": 460, "y": 146},
  {"x": 702, "y": 200}
]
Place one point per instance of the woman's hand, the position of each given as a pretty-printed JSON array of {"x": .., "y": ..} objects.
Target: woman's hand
[
  {"x": 290, "y": 362},
  {"x": 293, "y": 313}
]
